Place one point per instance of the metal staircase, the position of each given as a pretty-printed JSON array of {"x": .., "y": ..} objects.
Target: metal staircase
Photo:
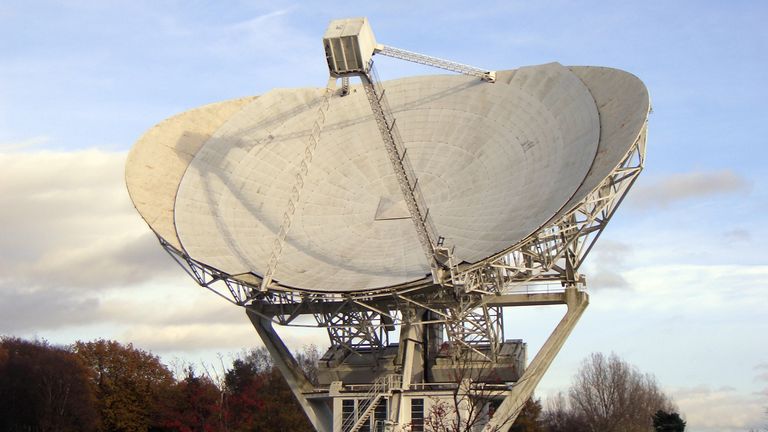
[{"x": 367, "y": 405}]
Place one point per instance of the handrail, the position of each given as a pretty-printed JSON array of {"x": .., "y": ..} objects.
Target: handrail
[{"x": 382, "y": 386}]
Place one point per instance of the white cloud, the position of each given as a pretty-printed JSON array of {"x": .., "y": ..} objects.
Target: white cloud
[
  {"x": 180, "y": 302},
  {"x": 606, "y": 279},
  {"x": 254, "y": 38},
  {"x": 699, "y": 287},
  {"x": 737, "y": 235},
  {"x": 24, "y": 311},
  {"x": 256, "y": 23},
  {"x": 612, "y": 252},
  {"x": 683, "y": 186},
  {"x": 71, "y": 225},
  {"x": 71, "y": 236},
  {"x": 719, "y": 409},
  {"x": 24, "y": 144},
  {"x": 220, "y": 327},
  {"x": 606, "y": 263},
  {"x": 761, "y": 371},
  {"x": 192, "y": 337},
  {"x": 77, "y": 255}
]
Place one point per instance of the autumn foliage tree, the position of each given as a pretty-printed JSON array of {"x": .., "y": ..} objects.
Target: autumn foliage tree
[
  {"x": 259, "y": 399},
  {"x": 193, "y": 404},
  {"x": 44, "y": 388},
  {"x": 129, "y": 382},
  {"x": 244, "y": 394},
  {"x": 104, "y": 386}
]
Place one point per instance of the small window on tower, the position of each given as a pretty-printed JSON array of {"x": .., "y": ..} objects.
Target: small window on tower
[
  {"x": 417, "y": 415},
  {"x": 347, "y": 410},
  {"x": 380, "y": 416}
]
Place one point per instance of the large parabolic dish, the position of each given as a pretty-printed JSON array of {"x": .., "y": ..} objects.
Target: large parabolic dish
[
  {"x": 419, "y": 208},
  {"x": 496, "y": 164}
]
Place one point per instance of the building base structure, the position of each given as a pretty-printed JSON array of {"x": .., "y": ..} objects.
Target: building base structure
[{"x": 425, "y": 379}]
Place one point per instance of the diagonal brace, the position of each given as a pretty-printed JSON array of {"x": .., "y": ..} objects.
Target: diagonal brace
[{"x": 577, "y": 301}]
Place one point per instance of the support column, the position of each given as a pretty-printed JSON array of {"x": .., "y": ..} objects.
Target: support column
[
  {"x": 318, "y": 412},
  {"x": 410, "y": 358},
  {"x": 577, "y": 301}
]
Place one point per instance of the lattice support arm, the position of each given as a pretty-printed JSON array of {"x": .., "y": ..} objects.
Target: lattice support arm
[
  {"x": 356, "y": 328},
  {"x": 424, "y": 59}
]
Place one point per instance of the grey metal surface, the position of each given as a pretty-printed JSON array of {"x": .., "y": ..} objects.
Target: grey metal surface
[{"x": 495, "y": 162}]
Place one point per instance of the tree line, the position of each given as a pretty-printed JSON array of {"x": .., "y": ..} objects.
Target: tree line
[
  {"x": 105, "y": 386},
  {"x": 607, "y": 394}
]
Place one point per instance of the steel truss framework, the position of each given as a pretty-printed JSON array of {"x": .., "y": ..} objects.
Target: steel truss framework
[
  {"x": 414, "y": 57},
  {"x": 357, "y": 329},
  {"x": 471, "y": 327}
]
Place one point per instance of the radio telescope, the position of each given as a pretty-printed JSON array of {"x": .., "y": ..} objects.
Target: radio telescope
[{"x": 404, "y": 217}]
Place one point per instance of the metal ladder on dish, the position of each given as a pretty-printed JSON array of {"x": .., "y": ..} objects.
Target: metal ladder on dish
[
  {"x": 298, "y": 186},
  {"x": 439, "y": 257},
  {"x": 406, "y": 177}
]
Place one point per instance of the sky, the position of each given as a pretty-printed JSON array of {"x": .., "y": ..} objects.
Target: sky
[{"x": 677, "y": 281}]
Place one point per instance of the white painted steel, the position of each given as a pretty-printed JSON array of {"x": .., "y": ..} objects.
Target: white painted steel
[
  {"x": 495, "y": 163},
  {"x": 158, "y": 160},
  {"x": 349, "y": 44},
  {"x": 623, "y": 104}
]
